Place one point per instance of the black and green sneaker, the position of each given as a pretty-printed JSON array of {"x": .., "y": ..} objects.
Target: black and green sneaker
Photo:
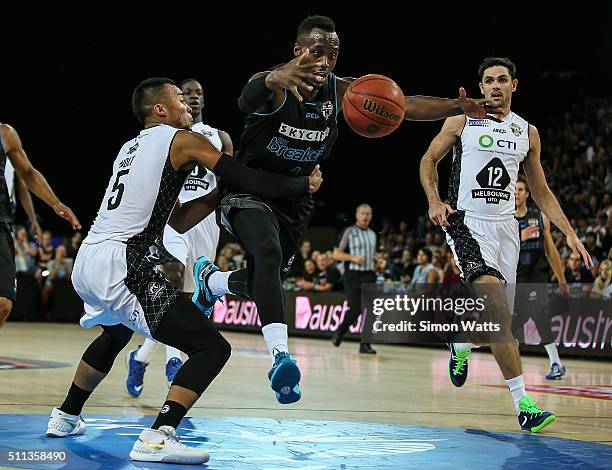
[
  {"x": 458, "y": 366},
  {"x": 531, "y": 418}
]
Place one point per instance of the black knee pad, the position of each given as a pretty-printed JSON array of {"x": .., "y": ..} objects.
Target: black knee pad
[{"x": 102, "y": 352}]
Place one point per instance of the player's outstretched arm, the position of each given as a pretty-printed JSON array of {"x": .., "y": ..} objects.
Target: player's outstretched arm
[
  {"x": 34, "y": 180},
  {"x": 439, "y": 147},
  {"x": 546, "y": 200},
  {"x": 431, "y": 108},
  {"x": 188, "y": 148}
]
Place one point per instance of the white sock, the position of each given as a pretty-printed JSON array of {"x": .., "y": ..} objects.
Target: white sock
[
  {"x": 144, "y": 352},
  {"x": 276, "y": 338},
  {"x": 517, "y": 389},
  {"x": 553, "y": 354},
  {"x": 218, "y": 282},
  {"x": 172, "y": 352},
  {"x": 463, "y": 347}
]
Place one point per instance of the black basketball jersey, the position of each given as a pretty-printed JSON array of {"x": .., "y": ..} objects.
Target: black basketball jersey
[
  {"x": 532, "y": 265},
  {"x": 292, "y": 139},
  {"x": 6, "y": 208}
]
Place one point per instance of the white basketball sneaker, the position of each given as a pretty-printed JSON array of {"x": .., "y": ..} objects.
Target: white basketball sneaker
[
  {"x": 162, "y": 445},
  {"x": 62, "y": 424}
]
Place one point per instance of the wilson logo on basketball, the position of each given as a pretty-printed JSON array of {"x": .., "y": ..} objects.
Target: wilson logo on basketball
[{"x": 374, "y": 107}]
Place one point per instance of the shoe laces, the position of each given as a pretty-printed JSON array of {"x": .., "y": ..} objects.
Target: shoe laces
[
  {"x": 532, "y": 408},
  {"x": 461, "y": 360},
  {"x": 278, "y": 356}
]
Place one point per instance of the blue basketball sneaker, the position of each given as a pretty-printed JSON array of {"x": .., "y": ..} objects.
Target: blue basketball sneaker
[
  {"x": 556, "y": 372},
  {"x": 172, "y": 367},
  {"x": 458, "y": 366},
  {"x": 531, "y": 418},
  {"x": 136, "y": 371},
  {"x": 203, "y": 298},
  {"x": 285, "y": 378}
]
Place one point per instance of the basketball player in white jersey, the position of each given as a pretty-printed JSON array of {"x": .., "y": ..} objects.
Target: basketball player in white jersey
[
  {"x": 479, "y": 217},
  {"x": 187, "y": 247},
  {"x": 115, "y": 276}
]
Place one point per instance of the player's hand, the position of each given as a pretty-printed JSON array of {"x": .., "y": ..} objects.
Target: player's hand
[
  {"x": 578, "y": 248},
  {"x": 37, "y": 231},
  {"x": 563, "y": 289},
  {"x": 358, "y": 259},
  {"x": 296, "y": 77},
  {"x": 66, "y": 213},
  {"x": 478, "y": 109},
  {"x": 530, "y": 233},
  {"x": 438, "y": 211},
  {"x": 315, "y": 179}
]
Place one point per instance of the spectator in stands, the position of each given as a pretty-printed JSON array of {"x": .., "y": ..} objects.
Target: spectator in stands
[
  {"x": 307, "y": 280},
  {"x": 602, "y": 286},
  {"x": 60, "y": 270},
  {"x": 25, "y": 252},
  {"x": 452, "y": 275},
  {"x": 438, "y": 263},
  {"x": 328, "y": 277},
  {"x": 424, "y": 273},
  {"x": 398, "y": 248},
  {"x": 593, "y": 246},
  {"x": 222, "y": 263},
  {"x": 72, "y": 248},
  {"x": 403, "y": 270},
  {"x": 297, "y": 267},
  {"x": 382, "y": 268},
  {"x": 577, "y": 275},
  {"x": 45, "y": 253}
]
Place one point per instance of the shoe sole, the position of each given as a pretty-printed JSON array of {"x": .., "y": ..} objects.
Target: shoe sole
[
  {"x": 545, "y": 423},
  {"x": 164, "y": 458},
  {"x": 127, "y": 365},
  {"x": 56, "y": 434},
  {"x": 285, "y": 383}
]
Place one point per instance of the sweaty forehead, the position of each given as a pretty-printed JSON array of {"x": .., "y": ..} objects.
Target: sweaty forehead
[{"x": 318, "y": 37}]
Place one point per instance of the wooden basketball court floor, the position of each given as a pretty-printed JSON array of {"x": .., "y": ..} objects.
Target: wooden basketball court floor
[{"x": 396, "y": 409}]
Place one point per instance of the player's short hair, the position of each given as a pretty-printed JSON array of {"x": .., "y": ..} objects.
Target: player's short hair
[
  {"x": 324, "y": 23},
  {"x": 493, "y": 61},
  {"x": 182, "y": 84},
  {"x": 364, "y": 206},
  {"x": 146, "y": 94},
  {"x": 522, "y": 179}
]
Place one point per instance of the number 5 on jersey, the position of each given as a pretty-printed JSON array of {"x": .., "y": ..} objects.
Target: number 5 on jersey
[{"x": 118, "y": 188}]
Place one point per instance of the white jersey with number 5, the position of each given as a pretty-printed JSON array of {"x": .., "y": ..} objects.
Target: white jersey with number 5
[
  {"x": 485, "y": 166},
  {"x": 137, "y": 182}
]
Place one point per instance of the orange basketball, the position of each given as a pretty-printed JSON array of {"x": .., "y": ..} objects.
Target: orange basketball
[{"x": 373, "y": 106}]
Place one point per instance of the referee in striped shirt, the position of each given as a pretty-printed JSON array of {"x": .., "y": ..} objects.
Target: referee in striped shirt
[{"x": 357, "y": 249}]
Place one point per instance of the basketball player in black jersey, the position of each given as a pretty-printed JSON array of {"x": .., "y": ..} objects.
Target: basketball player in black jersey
[
  {"x": 538, "y": 251},
  {"x": 10, "y": 146},
  {"x": 290, "y": 128}
]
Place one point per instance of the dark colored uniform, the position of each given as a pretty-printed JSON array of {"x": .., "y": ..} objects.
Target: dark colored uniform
[
  {"x": 291, "y": 140},
  {"x": 532, "y": 276},
  {"x": 7, "y": 248}
]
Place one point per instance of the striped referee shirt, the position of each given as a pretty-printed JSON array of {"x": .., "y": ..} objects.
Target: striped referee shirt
[{"x": 359, "y": 242}]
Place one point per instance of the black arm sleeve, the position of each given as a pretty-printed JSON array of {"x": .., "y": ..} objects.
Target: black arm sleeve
[
  {"x": 254, "y": 95},
  {"x": 264, "y": 184}
]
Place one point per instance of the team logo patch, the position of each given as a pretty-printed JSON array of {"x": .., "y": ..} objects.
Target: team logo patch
[
  {"x": 156, "y": 289},
  {"x": 327, "y": 109},
  {"x": 478, "y": 122},
  {"x": 516, "y": 130}
]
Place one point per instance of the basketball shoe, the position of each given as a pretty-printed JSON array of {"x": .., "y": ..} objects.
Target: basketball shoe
[
  {"x": 62, "y": 424},
  {"x": 163, "y": 445},
  {"x": 531, "y": 418}
]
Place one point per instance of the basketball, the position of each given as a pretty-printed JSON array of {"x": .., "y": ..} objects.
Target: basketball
[{"x": 373, "y": 106}]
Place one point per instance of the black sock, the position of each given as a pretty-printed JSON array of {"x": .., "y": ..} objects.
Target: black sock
[
  {"x": 170, "y": 415},
  {"x": 76, "y": 398},
  {"x": 238, "y": 283}
]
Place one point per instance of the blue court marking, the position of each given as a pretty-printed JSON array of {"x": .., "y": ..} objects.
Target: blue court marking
[{"x": 269, "y": 444}]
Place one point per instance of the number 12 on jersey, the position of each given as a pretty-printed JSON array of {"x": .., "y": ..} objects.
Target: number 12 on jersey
[{"x": 118, "y": 188}]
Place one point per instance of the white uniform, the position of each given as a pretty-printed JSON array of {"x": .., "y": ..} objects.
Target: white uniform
[
  {"x": 484, "y": 235},
  {"x": 9, "y": 177},
  {"x": 112, "y": 272},
  {"x": 202, "y": 239}
]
